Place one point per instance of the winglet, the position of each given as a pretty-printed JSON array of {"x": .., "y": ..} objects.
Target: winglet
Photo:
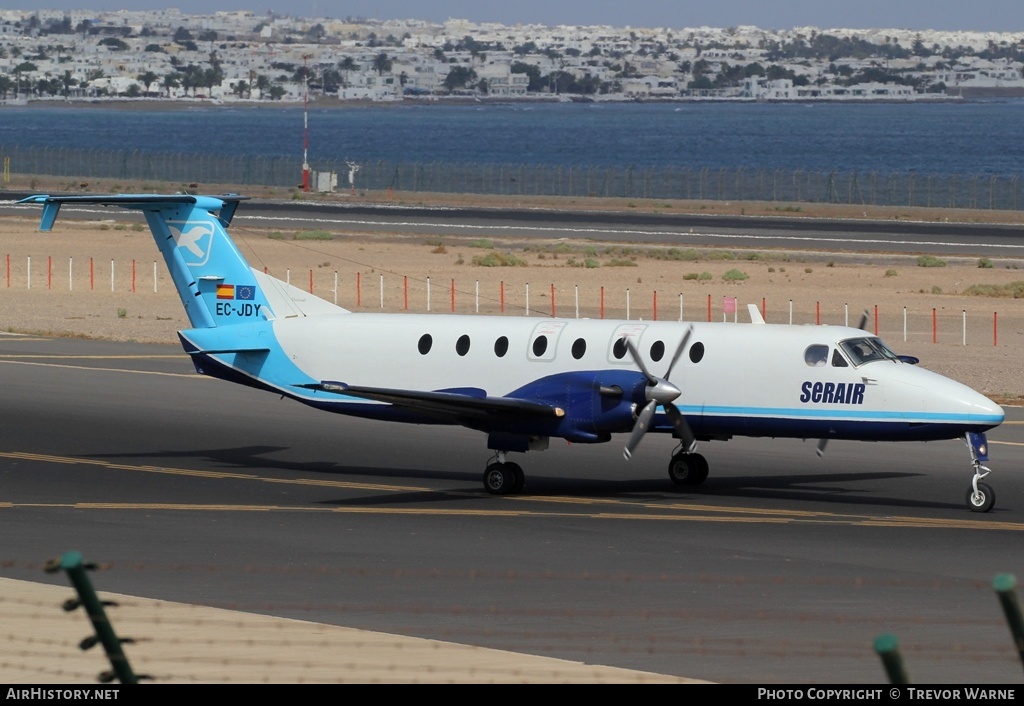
[{"x": 755, "y": 315}]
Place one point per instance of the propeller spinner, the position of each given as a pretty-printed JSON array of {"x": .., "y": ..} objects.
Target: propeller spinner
[{"x": 660, "y": 391}]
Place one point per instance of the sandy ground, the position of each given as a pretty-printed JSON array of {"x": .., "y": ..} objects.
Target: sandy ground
[{"x": 103, "y": 280}]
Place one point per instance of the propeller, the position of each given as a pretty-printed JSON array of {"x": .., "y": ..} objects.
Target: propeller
[
  {"x": 863, "y": 321},
  {"x": 660, "y": 391}
]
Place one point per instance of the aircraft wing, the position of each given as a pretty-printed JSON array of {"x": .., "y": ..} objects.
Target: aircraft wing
[{"x": 456, "y": 404}]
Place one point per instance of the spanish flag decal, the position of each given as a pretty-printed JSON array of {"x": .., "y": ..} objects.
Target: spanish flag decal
[{"x": 225, "y": 291}]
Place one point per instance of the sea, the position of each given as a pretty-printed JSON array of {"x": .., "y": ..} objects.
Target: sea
[{"x": 981, "y": 137}]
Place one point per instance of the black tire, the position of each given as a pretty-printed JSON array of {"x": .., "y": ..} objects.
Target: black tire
[
  {"x": 983, "y": 500},
  {"x": 700, "y": 470},
  {"x": 499, "y": 479},
  {"x": 688, "y": 469},
  {"x": 518, "y": 477}
]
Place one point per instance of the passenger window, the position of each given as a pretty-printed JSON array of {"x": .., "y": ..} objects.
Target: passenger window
[
  {"x": 579, "y": 347},
  {"x": 619, "y": 349},
  {"x": 462, "y": 345},
  {"x": 501, "y": 346},
  {"x": 838, "y": 361},
  {"x": 816, "y": 355},
  {"x": 540, "y": 344},
  {"x": 425, "y": 343},
  {"x": 657, "y": 351},
  {"x": 697, "y": 352}
]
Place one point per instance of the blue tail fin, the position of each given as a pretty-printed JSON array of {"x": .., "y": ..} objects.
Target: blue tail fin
[{"x": 216, "y": 284}]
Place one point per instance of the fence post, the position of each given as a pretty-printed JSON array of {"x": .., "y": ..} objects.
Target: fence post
[
  {"x": 71, "y": 563},
  {"x": 1003, "y": 584},
  {"x": 888, "y": 649}
]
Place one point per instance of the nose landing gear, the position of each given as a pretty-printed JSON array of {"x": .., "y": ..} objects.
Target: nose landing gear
[{"x": 980, "y": 496}]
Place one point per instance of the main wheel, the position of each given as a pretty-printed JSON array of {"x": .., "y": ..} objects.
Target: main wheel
[
  {"x": 518, "y": 477},
  {"x": 499, "y": 479},
  {"x": 688, "y": 469},
  {"x": 983, "y": 500}
]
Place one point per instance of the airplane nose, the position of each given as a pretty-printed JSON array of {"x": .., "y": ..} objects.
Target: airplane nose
[{"x": 984, "y": 409}]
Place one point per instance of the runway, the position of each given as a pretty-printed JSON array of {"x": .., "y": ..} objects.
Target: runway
[
  {"x": 782, "y": 568},
  {"x": 775, "y": 232}
]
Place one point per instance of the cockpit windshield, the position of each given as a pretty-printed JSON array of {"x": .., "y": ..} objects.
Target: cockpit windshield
[{"x": 865, "y": 350}]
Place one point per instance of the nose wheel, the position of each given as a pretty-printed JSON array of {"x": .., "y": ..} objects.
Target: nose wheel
[{"x": 982, "y": 499}]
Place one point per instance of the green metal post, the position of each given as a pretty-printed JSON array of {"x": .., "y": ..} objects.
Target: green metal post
[
  {"x": 888, "y": 649},
  {"x": 1004, "y": 585},
  {"x": 71, "y": 563}
]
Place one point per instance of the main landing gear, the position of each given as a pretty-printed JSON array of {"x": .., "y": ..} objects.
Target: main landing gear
[
  {"x": 980, "y": 496},
  {"x": 687, "y": 468},
  {"x": 503, "y": 477}
]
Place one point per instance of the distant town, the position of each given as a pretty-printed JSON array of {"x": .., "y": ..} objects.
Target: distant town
[{"x": 244, "y": 57}]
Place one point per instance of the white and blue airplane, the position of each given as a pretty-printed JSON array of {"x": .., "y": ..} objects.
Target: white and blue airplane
[{"x": 522, "y": 381}]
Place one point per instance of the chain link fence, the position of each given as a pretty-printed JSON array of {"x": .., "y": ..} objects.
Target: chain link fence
[{"x": 706, "y": 184}]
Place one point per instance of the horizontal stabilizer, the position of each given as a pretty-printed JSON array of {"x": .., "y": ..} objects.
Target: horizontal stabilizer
[{"x": 226, "y": 203}]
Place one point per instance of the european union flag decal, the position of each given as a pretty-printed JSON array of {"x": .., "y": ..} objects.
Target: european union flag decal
[{"x": 245, "y": 292}]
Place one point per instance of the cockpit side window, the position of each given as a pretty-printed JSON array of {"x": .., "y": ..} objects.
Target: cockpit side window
[
  {"x": 838, "y": 361},
  {"x": 816, "y": 355},
  {"x": 865, "y": 350}
]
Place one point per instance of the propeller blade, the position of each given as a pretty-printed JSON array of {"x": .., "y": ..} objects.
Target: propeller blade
[
  {"x": 822, "y": 443},
  {"x": 680, "y": 429},
  {"x": 651, "y": 380},
  {"x": 679, "y": 351},
  {"x": 643, "y": 420},
  {"x": 863, "y": 320}
]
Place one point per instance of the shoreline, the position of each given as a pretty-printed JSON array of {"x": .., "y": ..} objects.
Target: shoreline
[{"x": 331, "y": 102}]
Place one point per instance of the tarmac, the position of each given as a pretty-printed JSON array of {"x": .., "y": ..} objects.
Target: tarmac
[{"x": 191, "y": 644}]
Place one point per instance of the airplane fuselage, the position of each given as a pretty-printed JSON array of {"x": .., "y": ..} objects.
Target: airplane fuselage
[{"x": 736, "y": 379}]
